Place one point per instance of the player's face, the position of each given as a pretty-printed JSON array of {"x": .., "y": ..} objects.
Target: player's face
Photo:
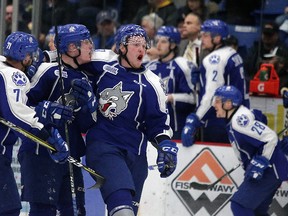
[
  {"x": 86, "y": 51},
  {"x": 206, "y": 41},
  {"x": 163, "y": 46},
  {"x": 136, "y": 49},
  {"x": 218, "y": 106}
]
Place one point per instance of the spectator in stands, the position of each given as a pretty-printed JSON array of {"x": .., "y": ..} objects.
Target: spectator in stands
[
  {"x": 190, "y": 48},
  {"x": 166, "y": 9},
  {"x": 175, "y": 72},
  {"x": 151, "y": 23},
  {"x": 282, "y": 22},
  {"x": 240, "y": 13},
  {"x": 198, "y": 7},
  {"x": 106, "y": 29},
  {"x": 269, "y": 44},
  {"x": 22, "y": 26}
]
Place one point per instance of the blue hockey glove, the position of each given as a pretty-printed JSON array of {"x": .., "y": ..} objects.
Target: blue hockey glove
[
  {"x": 53, "y": 113},
  {"x": 284, "y": 144},
  {"x": 35, "y": 64},
  {"x": 189, "y": 130},
  {"x": 256, "y": 167},
  {"x": 62, "y": 153},
  {"x": 285, "y": 97},
  {"x": 259, "y": 116},
  {"x": 167, "y": 158},
  {"x": 195, "y": 77},
  {"x": 83, "y": 93}
]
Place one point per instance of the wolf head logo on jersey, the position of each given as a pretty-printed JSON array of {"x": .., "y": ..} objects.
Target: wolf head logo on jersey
[
  {"x": 113, "y": 101},
  {"x": 242, "y": 120}
]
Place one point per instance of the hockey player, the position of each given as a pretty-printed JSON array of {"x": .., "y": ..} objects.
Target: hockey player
[
  {"x": 222, "y": 66},
  {"x": 257, "y": 148},
  {"x": 175, "y": 72},
  {"x": 19, "y": 50},
  {"x": 132, "y": 111},
  {"x": 46, "y": 185}
]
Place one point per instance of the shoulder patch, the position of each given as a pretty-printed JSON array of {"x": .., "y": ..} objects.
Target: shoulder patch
[
  {"x": 242, "y": 120},
  {"x": 214, "y": 59},
  {"x": 19, "y": 79},
  {"x": 110, "y": 69}
]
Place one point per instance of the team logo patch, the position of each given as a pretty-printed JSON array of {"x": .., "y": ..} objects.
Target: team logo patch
[
  {"x": 205, "y": 168},
  {"x": 114, "y": 100},
  {"x": 214, "y": 59},
  {"x": 242, "y": 120},
  {"x": 110, "y": 69},
  {"x": 19, "y": 79}
]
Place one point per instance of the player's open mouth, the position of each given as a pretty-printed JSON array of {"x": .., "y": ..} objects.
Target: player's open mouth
[{"x": 140, "y": 57}]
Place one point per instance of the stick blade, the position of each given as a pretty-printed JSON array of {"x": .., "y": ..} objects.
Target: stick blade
[
  {"x": 199, "y": 186},
  {"x": 98, "y": 184}
]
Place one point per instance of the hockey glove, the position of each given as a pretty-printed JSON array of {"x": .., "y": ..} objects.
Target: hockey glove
[
  {"x": 167, "y": 158},
  {"x": 53, "y": 113},
  {"x": 83, "y": 93},
  {"x": 31, "y": 70},
  {"x": 256, "y": 168},
  {"x": 284, "y": 144},
  {"x": 62, "y": 152},
  {"x": 285, "y": 97},
  {"x": 195, "y": 77},
  {"x": 189, "y": 130}
]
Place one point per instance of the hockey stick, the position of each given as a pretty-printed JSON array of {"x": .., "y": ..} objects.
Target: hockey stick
[
  {"x": 199, "y": 186},
  {"x": 62, "y": 90},
  {"x": 98, "y": 178}
]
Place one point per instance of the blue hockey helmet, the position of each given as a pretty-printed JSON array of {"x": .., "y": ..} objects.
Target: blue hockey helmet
[
  {"x": 18, "y": 44},
  {"x": 170, "y": 32},
  {"x": 127, "y": 31},
  {"x": 71, "y": 33},
  {"x": 231, "y": 93},
  {"x": 215, "y": 27}
]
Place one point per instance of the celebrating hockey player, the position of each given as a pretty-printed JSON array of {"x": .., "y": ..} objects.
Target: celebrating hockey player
[
  {"x": 20, "y": 49},
  {"x": 258, "y": 149},
  {"x": 222, "y": 66},
  {"x": 46, "y": 185},
  {"x": 132, "y": 111}
]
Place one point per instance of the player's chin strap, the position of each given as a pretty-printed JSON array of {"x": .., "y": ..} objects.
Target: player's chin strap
[
  {"x": 124, "y": 56},
  {"x": 75, "y": 57}
]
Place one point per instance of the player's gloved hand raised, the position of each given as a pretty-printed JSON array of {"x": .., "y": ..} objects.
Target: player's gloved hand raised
[
  {"x": 53, "y": 113},
  {"x": 256, "y": 168},
  {"x": 259, "y": 116},
  {"x": 62, "y": 152},
  {"x": 167, "y": 158},
  {"x": 189, "y": 130},
  {"x": 31, "y": 70},
  {"x": 83, "y": 93}
]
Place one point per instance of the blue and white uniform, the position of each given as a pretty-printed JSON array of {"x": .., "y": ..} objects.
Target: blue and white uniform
[
  {"x": 176, "y": 76},
  {"x": 36, "y": 164},
  {"x": 249, "y": 138},
  {"x": 14, "y": 85},
  {"x": 223, "y": 66},
  {"x": 132, "y": 111}
]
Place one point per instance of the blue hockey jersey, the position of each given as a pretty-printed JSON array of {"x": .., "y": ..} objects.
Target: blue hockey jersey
[
  {"x": 46, "y": 85},
  {"x": 176, "y": 76},
  {"x": 132, "y": 104},
  {"x": 250, "y": 137}
]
